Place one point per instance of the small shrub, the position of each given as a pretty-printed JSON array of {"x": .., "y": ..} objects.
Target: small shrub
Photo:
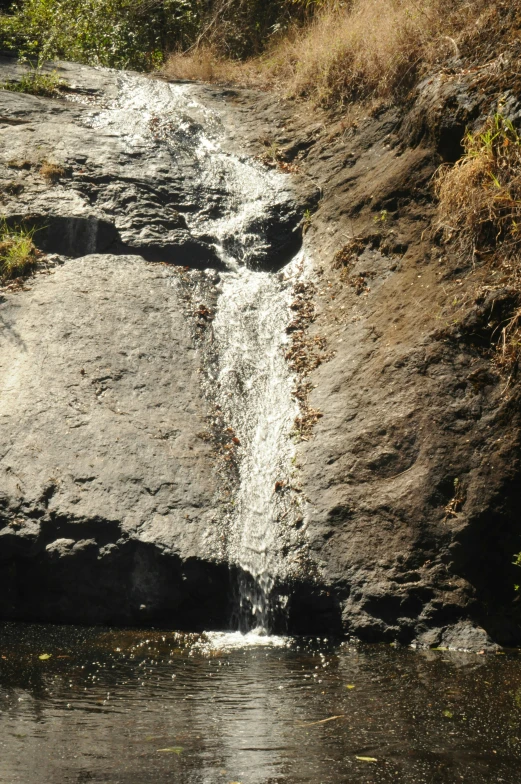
[
  {"x": 52, "y": 172},
  {"x": 36, "y": 82},
  {"x": 202, "y": 64},
  {"x": 18, "y": 254},
  {"x": 480, "y": 213},
  {"x": 480, "y": 196},
  {"x": 13, "y": 188},
  {"x": 19, "y": 163}
]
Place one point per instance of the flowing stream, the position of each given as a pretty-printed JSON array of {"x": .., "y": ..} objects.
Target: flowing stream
[{"x": 250, "y": 380}]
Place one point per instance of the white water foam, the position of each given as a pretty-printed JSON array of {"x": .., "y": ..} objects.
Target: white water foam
[
  {"x": 253, "y": 383},
  {"x": 230, "y": 641},
  {"x": 254, "y": 390}
]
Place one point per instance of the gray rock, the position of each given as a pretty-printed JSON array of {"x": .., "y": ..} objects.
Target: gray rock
[
  {"x": 110, "y": 489},
  {"x": 101, "y": 464},
  {"x": 461, "y": 636}
]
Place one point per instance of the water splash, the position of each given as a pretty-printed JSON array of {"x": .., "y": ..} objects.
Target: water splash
[{"x": 211, "y": 642}]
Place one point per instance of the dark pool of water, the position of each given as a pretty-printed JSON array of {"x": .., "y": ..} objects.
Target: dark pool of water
[{"x": 147, "y": 707}]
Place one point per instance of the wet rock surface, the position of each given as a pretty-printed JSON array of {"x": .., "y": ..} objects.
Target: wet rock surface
[
  {"x": 114, "y": 502},
  {"x": 410, "y": 473},
  {"x": 118, "y": 186}
]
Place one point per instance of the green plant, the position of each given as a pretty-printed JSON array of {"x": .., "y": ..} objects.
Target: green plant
[
  {"x": 36, "y": 82},
  {"x": 117, "y": 33},
  {"x": 18, "y": 253},
  {"x": 306, "y": 220},
  {"x": 517, "y": 562},
  {"x": 271, "y": 155}
]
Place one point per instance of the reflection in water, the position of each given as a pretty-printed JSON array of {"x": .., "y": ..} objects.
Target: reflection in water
[{"x": 125, "y": 707}]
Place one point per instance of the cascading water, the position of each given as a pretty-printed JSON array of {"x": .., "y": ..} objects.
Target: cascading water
[
  {"x": 254, "y": 390},
  {"x": 250, "y": 379}
]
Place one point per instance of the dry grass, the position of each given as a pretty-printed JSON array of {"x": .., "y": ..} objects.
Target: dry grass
[
  {"x": 369, "y": 49},
  {"x": 480, "y": 196},
  {"x": 202, "y": 65},
  {"x": 52, "y": 172},
  {"x": 480, "y": 213}
]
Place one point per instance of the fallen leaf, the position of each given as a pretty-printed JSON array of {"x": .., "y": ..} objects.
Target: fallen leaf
[
  {"x": 366, "y": 759},
  {"x": 172, "y": 750},
  {"x": 45, "y": 656},
  {"x": 350, "y": 686}
]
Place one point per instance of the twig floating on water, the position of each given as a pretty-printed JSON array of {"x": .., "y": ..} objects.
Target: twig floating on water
[{"x": 323, "y": 721}]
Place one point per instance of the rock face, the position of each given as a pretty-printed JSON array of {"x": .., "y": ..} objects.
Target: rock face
[
  {"x": 105, "y": 485},
  {"x": 412, "y": 475},
  {"x": 111, "y": 491},
  {"x": 129, "y": 174}
]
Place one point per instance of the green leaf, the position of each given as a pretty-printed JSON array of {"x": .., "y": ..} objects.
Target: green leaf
[
  {"x": 448, "y": 714},
  {"x": 366, "y": 759},
  {"x": 350, "y": 686},
  {"x": 45, "y": 656},
  {"x": 172, "y": 750}
]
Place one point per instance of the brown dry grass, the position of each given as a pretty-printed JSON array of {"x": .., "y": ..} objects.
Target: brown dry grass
[
  {"x": 201, "y": 65},
  {"x": 480, "y": 196},
  {"x": 369, "y": 49},
  {"x": 480, "y": 213},
  {"x": 51, "y": 172}
]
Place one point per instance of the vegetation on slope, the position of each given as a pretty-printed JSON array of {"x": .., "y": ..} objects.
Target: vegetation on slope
[
  {"x": 140, "y": 33},
  {"x": 480, "y": 216},
  {"x": 480, "y": 196},
  {"x": 350, "y": 51},
  {"x": 330, "y": 51},
  {"x": 18, "y": 254}
]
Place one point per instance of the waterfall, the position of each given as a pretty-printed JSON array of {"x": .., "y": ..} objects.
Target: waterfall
[
  {"x": 250, "y": 379},
  {"x": 254, "y": 390}
]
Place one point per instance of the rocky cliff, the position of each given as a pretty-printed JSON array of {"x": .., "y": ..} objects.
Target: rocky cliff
[{"x": 118, "y": 467}]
